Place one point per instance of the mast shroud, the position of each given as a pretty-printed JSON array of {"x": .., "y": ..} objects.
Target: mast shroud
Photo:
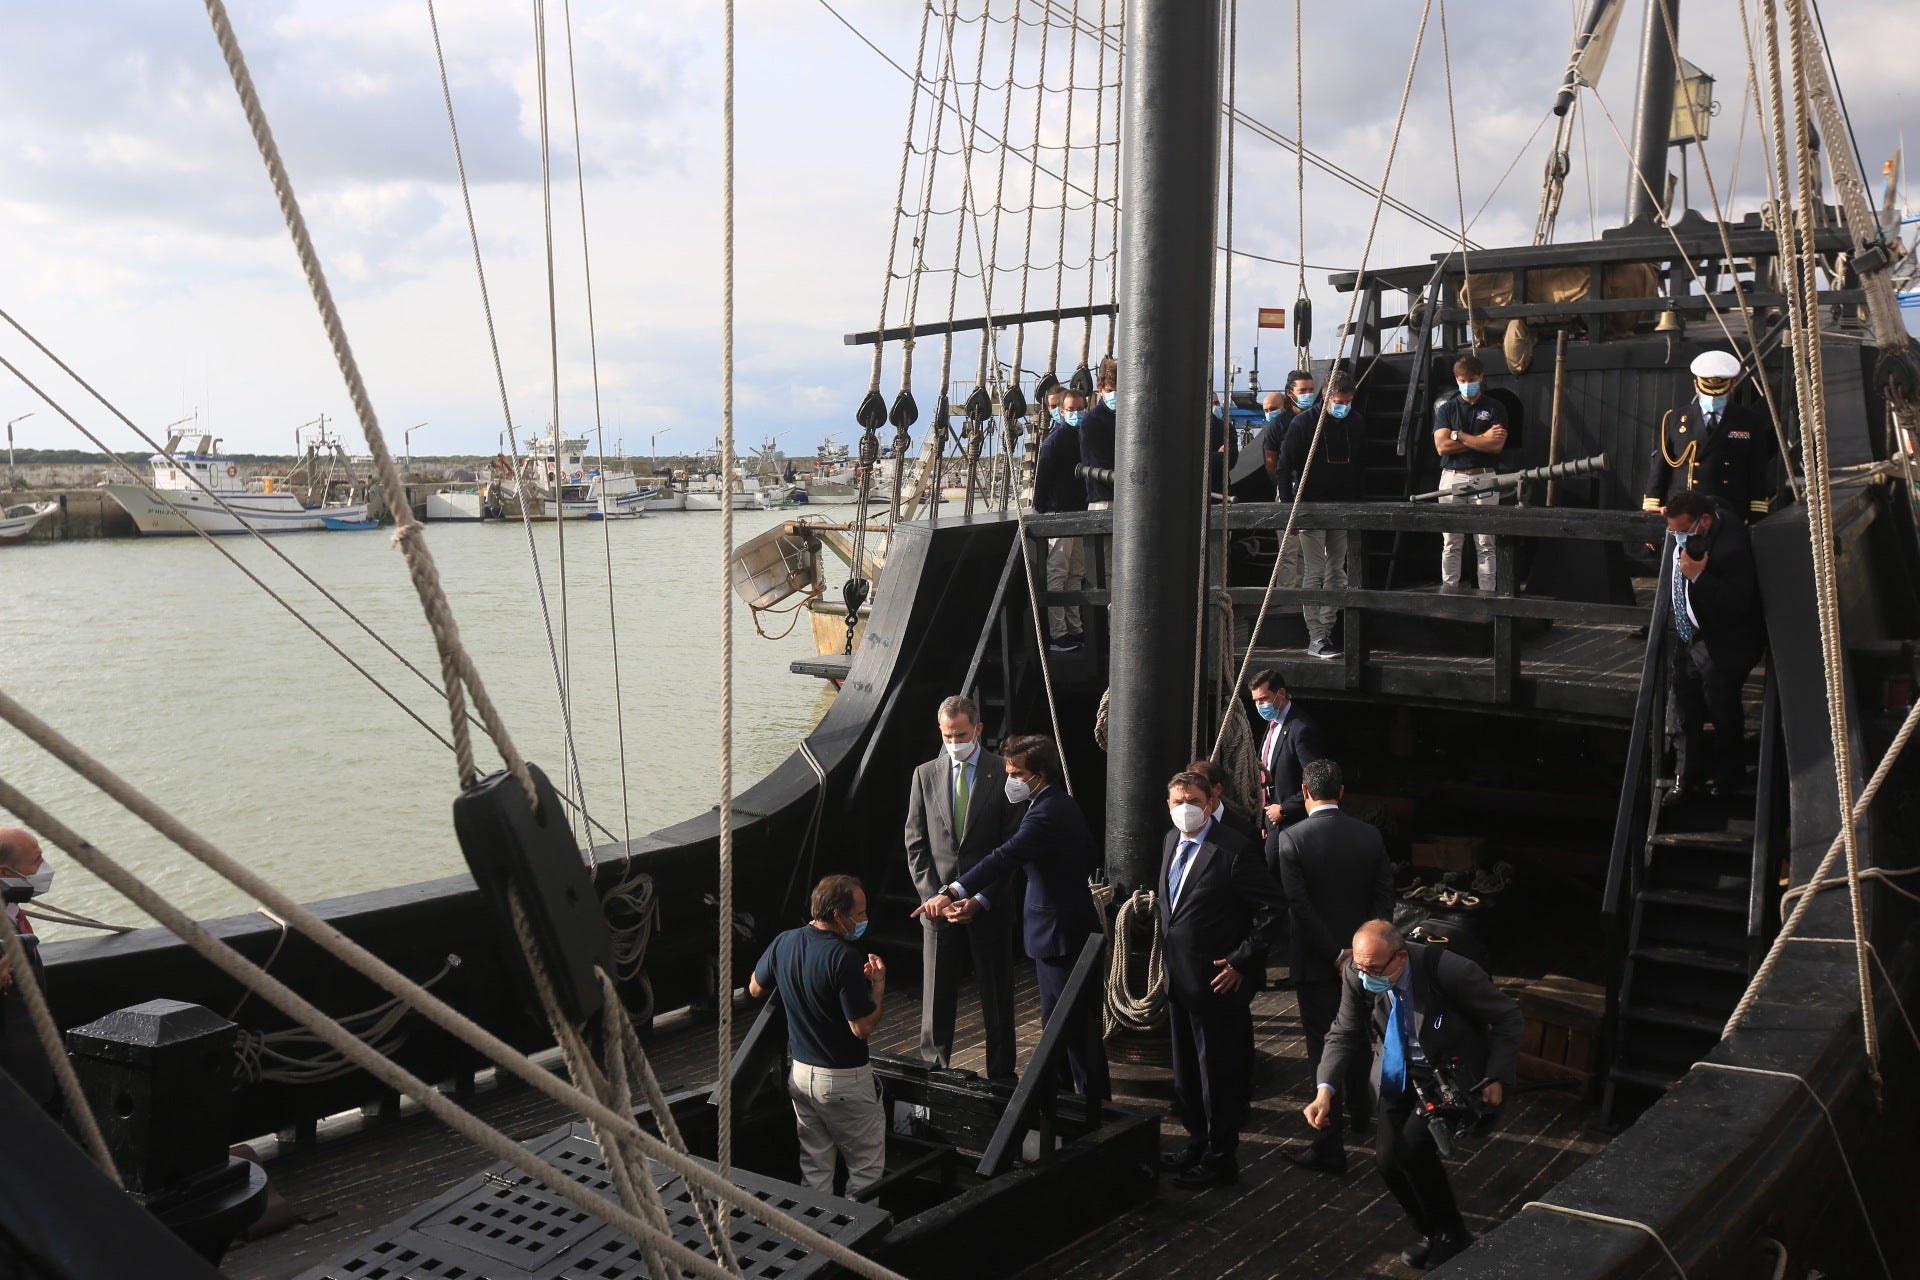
[{"x": 1170, "y": 132}]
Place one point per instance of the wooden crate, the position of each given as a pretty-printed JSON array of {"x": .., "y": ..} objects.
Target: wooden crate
[{"x": 1562, "y": 1035}]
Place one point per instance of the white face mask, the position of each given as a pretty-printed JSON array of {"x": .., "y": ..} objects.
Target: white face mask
[
  {"x": 1017, "y": 790},
  {"x": 1189, "y": 818},
  {"x": 41, "y": 880},
  {"x": 959, "y": 752}
]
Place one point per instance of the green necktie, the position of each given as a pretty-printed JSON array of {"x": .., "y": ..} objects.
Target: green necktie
[{"x": 960, "y": 802}]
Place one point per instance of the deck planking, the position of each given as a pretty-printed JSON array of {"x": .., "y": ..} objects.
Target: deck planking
[{"x": 1278, "y": 1221}]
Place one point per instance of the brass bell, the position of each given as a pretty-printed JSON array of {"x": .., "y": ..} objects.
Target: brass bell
[{"x": 1670, "y": 322}]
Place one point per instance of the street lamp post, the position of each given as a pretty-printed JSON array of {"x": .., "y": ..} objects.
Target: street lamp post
[
  {"x": 653, "y": 445},
  {"x": 12, "y": 482},
  {"x": 407, "y": 436}
]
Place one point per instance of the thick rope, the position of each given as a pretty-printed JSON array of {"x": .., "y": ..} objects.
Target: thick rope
[
  {"x": 458, "y": 673},
  {"x": 371, "y": 967},
  {"x": 53, "y": 1046},
  {"x": 1093, "y": 219},
  {"x": 600, "y": 436},
  {"x": 1320, "y": 420},
  {"x": 899, "y": 199},
  {"x": 1610, "y": 1220},
  {"x": 724, "y": 961},
  {"x": 1147, "y": 1010},
  {"x": 1302, "y": 355},
  {"x": 1459, "y": 188},
  {"x": 1066, "y": 177},
  {"x": 1792, "y": 922}
]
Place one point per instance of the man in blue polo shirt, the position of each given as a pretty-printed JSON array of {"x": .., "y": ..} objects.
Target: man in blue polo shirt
[
  {"x": 832, "y": 991},
  {"x": 1469, "y": 432}
]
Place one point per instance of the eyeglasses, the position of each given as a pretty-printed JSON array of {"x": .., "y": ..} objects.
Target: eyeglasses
[{"x": 1379, "y": 972}]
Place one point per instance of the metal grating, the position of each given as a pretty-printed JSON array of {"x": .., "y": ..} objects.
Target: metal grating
[{"x": 501, "y": 1225}]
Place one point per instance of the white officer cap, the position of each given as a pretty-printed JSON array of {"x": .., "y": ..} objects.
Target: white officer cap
[{"x": 1716, "y": 366}]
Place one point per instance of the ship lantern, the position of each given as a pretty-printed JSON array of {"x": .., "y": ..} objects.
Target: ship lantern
[{"x": 1693, "y": 106}]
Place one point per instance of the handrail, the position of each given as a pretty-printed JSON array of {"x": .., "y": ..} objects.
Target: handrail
[
  {"x": 1572, "y": 523},
  {"x": 1632, "y": 790},
  {"x": 1410, "y": 410}
]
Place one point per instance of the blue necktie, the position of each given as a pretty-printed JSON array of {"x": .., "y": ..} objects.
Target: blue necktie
[
  {"x": 1682, "y": 621},
  {"x": 1393, "y": 1055},
  {"x": 1178, "y": 871}
]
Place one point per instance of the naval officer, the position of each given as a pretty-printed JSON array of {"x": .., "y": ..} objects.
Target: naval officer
[{"x": 1711, "y": 444}]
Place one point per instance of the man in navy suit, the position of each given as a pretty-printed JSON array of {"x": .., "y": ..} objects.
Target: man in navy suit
[
  {"x": 1052, "y": 844},
  {"x": 1219, "y": 910},
  {"x": 1290, "y": 742}
]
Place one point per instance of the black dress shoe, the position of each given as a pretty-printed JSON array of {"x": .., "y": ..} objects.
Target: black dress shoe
[
  {"x": 1680, "y": 793},
  {"x": 1206, "y": 1177},
  {"x": 1416, "y": 1255},
  {"x": 1183, "y": 1159},
  {"x": 1311, "y": 1159},
  {"x": 1446, "y": 1246}
]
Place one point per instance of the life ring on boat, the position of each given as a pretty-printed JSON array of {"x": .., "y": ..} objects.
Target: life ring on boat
[{"x": 232, "y": 471}]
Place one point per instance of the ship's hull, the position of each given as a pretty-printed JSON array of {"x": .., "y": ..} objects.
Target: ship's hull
[
  {"x": 193, "y": 511},
  {"x": 17, "y": 522}
]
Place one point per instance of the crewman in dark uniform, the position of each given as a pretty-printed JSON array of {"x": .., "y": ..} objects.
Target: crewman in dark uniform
[{"x": 1711, "y": 444}]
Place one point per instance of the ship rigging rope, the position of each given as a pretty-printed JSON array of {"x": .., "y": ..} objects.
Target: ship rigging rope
[
  {"x": 458, "y": 672},
  {"x": 499, "y": 366},
  {"x": 1147, "y": 1010},
  {"x": 1301, "y": 351},
  {"x": 329, "y": 939},
  {"x": 51, "y": 1043},
  {"x": 600, "y": 438},
  {"x": 1066, "y": 179},
  {"x": 723, "y": 1151},
  {"x": 1610, "y": 1220},
  {"x": 1320, "y": 419},
  {"x": 1893, "y": 992},
  {"x": 1459, "y": 188}
]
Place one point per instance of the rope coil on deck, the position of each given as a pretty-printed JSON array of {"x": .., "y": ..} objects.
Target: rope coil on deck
[{"x": 1147, "y": 1010}]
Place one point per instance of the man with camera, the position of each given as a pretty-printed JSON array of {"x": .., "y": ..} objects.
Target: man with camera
[{"x": 1448, "y": 1039}]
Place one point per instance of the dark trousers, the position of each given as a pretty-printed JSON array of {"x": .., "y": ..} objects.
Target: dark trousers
[
  {"x": 1319, "y": 1006},
  {"x": 1213, "y": 1074},
  {"x": 1410, "y": 1165},
  {"x": 1701, "y": 690},
  {"x": 1085, "y": 1071},
  {"x": 989, "y": 939}
]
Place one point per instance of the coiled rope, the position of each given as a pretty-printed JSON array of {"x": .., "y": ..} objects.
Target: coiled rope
[{"x": 1124, "y": 1009}]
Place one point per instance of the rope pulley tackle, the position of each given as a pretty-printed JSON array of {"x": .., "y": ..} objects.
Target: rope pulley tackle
[
  {"x": 872, "y": 412},
  {"x": 1081, "y": 381}
]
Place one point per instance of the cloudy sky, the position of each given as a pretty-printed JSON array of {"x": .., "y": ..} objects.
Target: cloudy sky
[{"x": 139, "y": 239}]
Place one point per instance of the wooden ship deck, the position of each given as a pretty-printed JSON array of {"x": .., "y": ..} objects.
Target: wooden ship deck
[{"x": 1278, "y": 1221}]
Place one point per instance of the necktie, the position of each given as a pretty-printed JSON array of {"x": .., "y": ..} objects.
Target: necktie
[
  {"x": 1393, "y": 1055},
  {"x": 1178, "y": 872},
  {"x": 960, "y": 796},
  {"x": 1682, "y": 620}
]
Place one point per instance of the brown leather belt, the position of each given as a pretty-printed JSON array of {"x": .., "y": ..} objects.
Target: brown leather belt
[{"x": 1470, "y": 471}]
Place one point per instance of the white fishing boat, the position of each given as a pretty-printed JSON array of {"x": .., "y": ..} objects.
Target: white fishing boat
[
  {"x": 668, "y": 495},
  {"x": 834, "y": 479},
  {"x": 462, "y": 503},
  {"x": 556, "y": 471},
  {"x": 199, "y": 489},
  {"x": 704, "y": 492},
  {"x": 17, "y": 521}
]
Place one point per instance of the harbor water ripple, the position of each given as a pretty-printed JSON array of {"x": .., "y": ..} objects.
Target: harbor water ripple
[{"x": 161, "y": 659}]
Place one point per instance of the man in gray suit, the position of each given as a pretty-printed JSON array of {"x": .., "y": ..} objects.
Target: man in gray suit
[
  {"x": 957, "y": 814},
  {"x": 1432, "y": 1010}
]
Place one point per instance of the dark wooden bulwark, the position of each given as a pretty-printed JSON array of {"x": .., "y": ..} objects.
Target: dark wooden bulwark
[{"x": 1575, "y": 659}]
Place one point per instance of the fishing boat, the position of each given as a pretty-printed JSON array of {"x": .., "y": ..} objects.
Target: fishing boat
[
  {"x": 194, "y": 488},
  {"x": 556, "y": 472},
  {"x": 831, "y": 482},
  {"x": 704, "y": 489},
  {"x": 18, "y": 520},
  {"x": 1725, "y": 1083},
  {"x": 462, "y": 504}
]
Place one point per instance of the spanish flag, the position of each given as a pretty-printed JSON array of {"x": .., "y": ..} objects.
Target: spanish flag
[{"x": 1273, "y": 317}]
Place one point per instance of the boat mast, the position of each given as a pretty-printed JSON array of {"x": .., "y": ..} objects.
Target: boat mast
[
  {"x": 1169, "y": 173},
  {"x": 1653, "y": 114}
]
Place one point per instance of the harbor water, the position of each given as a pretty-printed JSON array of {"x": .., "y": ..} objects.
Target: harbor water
[{"x": 163, "y": 660}]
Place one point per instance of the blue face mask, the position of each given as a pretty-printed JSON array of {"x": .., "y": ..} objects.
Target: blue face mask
[
  {"x": 858, "y": 932},
  {"x": 1305, "y": 399},
  {"x": 1337, "y": 410},
  {"x": 1377, "y": 985},
  {"x": 1073, "y": 417},
  {"x": 1468, "y": 390},
  {"x": 1274, "y": 415},
  {"x": 1267, "y": 710},
  {"x": 1054, "y": 415},
  {"x": 1713, "y": 404},
  {"x": 1111, "y": 400}
]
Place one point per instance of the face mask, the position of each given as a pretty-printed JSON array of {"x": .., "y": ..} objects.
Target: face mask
[
  {"x": 41, "y": 880},
  {"x": 858, "y": 932},
  {"x": 1713, "y": 404},
  {"x": 959, "y": 752},
  {"x": 1305, "y": 399},
  {"x": 1110, "y": 400},
  {"x": 1377, "y": 985},
  {"x": 1274, "y": 415},
  {"x": 1337, "y": 410},
  {"x": 1468, "y": 390},
  {"x": 1189, "y": 818},
  {"x": 1073, "y": 416},
  {"x": 1267, "y": 710},
  {"x": 1053, "y": 415},
  {"x": 1017, "y": 790}
]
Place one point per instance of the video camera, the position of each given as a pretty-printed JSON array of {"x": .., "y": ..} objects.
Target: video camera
[
  {"x": 15, "y": 890},
  {"x": 1449, "y": 1109}
]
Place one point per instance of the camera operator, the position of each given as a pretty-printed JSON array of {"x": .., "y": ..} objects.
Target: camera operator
[
  {"x": 21, "y": 1053},
  {"x": 1433, "y": 1012}
]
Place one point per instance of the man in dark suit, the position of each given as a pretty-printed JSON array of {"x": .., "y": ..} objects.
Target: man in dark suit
[
  {"x": 957, "y": 813},
  {"x": 1056, "y": 850},
  {"x": 1718, "y": 637},
  {"x": 1219, "y": 910},
  {"x": 1337, "y": 877},
  {"x": 1430, "y": 1009},
  {"x": 1291, "y": 741}
]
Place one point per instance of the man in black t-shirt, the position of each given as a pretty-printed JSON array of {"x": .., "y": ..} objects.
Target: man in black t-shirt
[{"x": 832, "y": 992}]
